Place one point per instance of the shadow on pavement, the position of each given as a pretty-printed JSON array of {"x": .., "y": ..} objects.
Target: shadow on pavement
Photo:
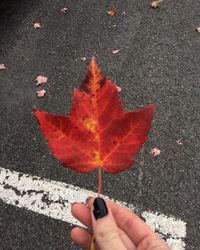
[{"x": 12, "y": 14}]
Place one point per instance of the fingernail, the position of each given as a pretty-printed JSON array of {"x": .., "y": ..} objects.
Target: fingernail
[
  {"x": 100, "y": 209},
  {"x": 86, "y": 201}
]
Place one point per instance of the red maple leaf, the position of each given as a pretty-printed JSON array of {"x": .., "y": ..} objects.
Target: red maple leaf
[{"x": 98, "y": 133}]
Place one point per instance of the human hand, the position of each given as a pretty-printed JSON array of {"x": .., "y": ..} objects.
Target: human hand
[{"x": 114, "y": 228}]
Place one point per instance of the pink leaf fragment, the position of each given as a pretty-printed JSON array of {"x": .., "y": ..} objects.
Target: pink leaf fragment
[
  {"x": 64, "y": 10},
  {"x": 123, "y": 13},
  {"x": 198, "y": 29},
  {"x": 179, "y": 142},
  {"x": 83, "y": 59},
  {"x": 41, "y": 79},
  {"x": 115, "y": 51},
  {"x": 156, "y": 4},
  {"x": 111, "y": 12},
  {"x": 41, "y": 93},
  {"x": 2, "y": 66},
  {"x": 155, "y": 152},
  {"x": 119, "y": 89},
  {"x": 36, "y": 25}
]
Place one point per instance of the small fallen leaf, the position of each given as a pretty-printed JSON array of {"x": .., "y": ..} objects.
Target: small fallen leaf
[
  {"x": 41, "y": 79},
  {"x": 2, "y": 66},
  {"x": 179, "y": 142},
  {"x": 155, "y": 152},
  {"x": 115, "y": 51},
  {"x": 41, "y": 93},
  {"x": 198, "y": 29},
  {"x": 83, "y": 59},
  {"x": 64, "y": 10},
  {"x": 36, "y": 25},
  {"x": 156, "y": 4},
  {"x": 111, "y": 12},
  {"x": 119, "y": 89}
]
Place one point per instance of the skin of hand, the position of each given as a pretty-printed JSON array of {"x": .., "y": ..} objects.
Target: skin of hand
[{"x": 120, "y": 229}]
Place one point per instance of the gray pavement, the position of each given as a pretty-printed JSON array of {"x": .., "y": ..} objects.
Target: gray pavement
[{"x": 158, "y": 62}]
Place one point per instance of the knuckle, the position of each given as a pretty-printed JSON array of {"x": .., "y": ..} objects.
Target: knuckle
[
  {"x": 128, "y": 224},
  {"x": 107, "y": 234}
]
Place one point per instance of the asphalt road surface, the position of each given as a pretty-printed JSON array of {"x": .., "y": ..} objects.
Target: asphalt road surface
[{"x": 158, "y": 62}]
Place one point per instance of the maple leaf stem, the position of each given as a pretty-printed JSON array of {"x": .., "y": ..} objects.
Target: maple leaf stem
[
  {"x": 99, "y": 181},
  {"x": 92, "y": 244},
  {"x": 99, "y": 192}
]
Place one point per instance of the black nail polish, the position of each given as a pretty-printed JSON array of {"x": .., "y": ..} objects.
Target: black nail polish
[{"x": 100, "y": 209}]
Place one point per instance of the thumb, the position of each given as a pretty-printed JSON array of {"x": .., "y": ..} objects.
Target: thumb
[{"x": 105, "y": 229}]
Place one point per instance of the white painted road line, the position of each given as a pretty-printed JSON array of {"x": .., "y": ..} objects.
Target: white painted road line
[{"x": 54, "y": 199}]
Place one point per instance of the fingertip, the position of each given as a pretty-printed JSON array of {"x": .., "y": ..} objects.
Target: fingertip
[
  {"x": 81, "y": 212},
  {"x": 89, "y": 201},
  {"x": 74, "y": 207},
  {"x": 81, "y": 237},
  {"x": 73, "y": 233}
]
